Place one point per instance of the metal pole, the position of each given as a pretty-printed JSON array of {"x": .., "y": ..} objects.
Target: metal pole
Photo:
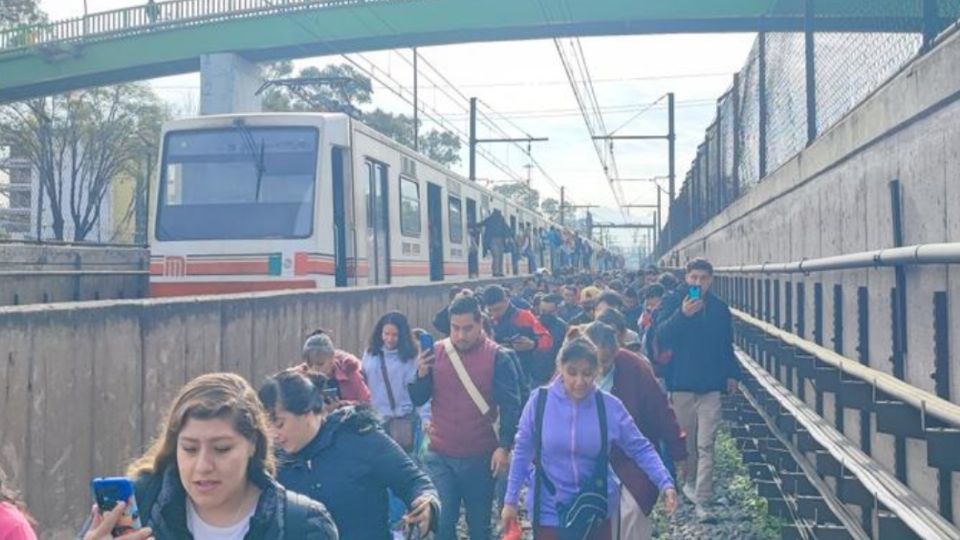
[
  {"x": 473, "y": 139},
  {"x": 563, "y": 191},
  {"x": 416, "y": 103},
  {"x": 811, "y": 71},
  {"x": 762, "y": 106},
  {"x": 672, "y": 146},
  {"x": 930, "y": 24},
  {"x": 736, "y": 137}
]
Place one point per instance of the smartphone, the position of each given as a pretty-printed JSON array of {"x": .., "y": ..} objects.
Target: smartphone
[
  {"x": 694, "y": 292},
  {"x": 330, "y": 393},
  {"x": 426, "y": 342},
  {"x": 110, "y": 491}
]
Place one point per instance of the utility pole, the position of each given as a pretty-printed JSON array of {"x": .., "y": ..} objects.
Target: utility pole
[
  {"x": 672, "y": 146},
  {"x": 474, "y": 141},
  {"x": 563, "y": 201},
  {"x": 416, "y": 103}
]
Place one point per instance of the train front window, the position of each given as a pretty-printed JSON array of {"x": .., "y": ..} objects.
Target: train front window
[{"x": 238, "y": 183}]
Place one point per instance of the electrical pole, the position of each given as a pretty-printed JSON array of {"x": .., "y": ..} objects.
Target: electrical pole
[
  {"x": 672, "y": 149},
  {"x": 563, "y": 201},
  {"x": 474, "y": 141},
  {"x": 416, "y": 104}
]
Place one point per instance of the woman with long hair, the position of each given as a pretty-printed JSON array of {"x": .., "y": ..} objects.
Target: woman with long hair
[
  {"x": 390, "y": 365},
  {"x": 15, "y": 522},
  {"x": 343, "y": 459},
  {"x": 210, "y": 474},
  {"x": 563, "y": 447}
]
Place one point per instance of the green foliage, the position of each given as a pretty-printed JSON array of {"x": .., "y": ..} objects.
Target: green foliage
[
  {"x": 440, "y": 146},
  {"x": 79, "y": 143},
  {"x": 521, "y": 193}
]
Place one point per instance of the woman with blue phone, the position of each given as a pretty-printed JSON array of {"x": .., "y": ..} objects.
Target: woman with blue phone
[{"x": 209, "y": 474}]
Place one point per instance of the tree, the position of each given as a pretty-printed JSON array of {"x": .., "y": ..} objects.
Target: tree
[
  {"x": 551, "y": 208},
  {"x": 520, "y": 192},
  {"x": 15, "y": 13},
  {"x": 356, "y": 90},
  {"x": 346, "y": 90},
  {"x": 78, "y": 143}
]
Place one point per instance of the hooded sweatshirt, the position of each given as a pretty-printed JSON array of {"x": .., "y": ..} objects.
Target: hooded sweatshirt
[{"x": 571, "y": 449}]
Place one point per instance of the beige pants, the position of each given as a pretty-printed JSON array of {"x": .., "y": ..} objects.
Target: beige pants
[
  {"x": 698, "y": 416},
  {"x": 633, "y": 524}
]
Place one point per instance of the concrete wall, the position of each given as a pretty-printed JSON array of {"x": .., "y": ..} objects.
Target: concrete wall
[
  {"x": 834, "y": 198},
  {"x": 83, "y": 386},
  {"x": 42, "y": 273}
]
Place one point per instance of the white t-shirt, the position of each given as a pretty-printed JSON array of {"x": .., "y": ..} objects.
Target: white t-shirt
[{"x": 203, "y": 531}]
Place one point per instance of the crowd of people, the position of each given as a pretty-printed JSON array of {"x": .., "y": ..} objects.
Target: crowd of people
[
  {"x": 565, "y": 250},
  {"x": 589, "y": 397}
]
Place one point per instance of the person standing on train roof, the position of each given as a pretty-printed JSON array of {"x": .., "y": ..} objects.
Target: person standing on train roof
[
  {"x": 496, "y": 231},
  {"x": 475, "y": 388}
]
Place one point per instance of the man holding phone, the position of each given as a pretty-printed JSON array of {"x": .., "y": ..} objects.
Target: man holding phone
[
  {"x": 519, "y": 329},
  {"x": 698, "y": 330}
]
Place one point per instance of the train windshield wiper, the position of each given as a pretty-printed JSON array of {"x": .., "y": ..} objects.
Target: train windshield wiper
[{"x": 257, "y": 154}]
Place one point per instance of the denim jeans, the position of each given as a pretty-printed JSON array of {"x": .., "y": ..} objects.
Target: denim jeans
[{"x": 462, "y": 479}]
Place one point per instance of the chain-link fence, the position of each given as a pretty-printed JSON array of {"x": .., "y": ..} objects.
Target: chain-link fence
[{"x": 786, "y": 94}]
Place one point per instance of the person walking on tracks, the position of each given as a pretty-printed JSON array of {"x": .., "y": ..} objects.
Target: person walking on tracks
[
  {"x": 475, "y": 389},
  {"x": 697, "y": 329},
  {"x": 563, "y": 451}
]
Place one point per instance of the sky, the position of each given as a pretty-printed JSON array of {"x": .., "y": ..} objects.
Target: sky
[{"x": 522, "y": 86}]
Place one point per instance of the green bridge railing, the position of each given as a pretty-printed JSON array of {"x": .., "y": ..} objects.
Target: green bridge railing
[{"x": 150, "y": 17}]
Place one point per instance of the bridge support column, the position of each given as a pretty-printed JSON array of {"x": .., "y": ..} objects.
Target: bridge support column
[{"x": 228, "y": 83}]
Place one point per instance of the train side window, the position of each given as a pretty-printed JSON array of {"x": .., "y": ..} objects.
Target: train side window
[
  {"x": 409, "y": 208},
  {"x": 455, "y": 210}
]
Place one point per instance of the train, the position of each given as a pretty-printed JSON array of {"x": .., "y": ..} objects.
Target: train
[{"x": 277, "y": 201}]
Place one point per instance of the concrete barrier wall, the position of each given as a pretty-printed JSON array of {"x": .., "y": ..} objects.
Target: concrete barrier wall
[
  {"x": 834, "y": 198},
  {"x": 43, "y": 273},
  {"x": 83, "y": 386}
]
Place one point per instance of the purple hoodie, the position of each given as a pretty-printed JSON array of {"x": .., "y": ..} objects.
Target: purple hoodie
[{"x": 571, "y": 446}]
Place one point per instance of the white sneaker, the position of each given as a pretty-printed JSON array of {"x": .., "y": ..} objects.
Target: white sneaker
[{"x": 689, "y": 492}]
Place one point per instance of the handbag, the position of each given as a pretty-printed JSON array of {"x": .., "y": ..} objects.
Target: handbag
[
  {"x": 402, "y": 429},
  {"x": 589, "y": 508}
]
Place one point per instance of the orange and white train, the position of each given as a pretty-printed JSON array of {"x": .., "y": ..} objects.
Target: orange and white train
[{"x": 260, "y": 202}]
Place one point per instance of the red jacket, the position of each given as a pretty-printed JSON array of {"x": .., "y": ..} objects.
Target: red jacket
[
  {"x": 349, "y": 374},
  {"x": 637, "y": 387}
]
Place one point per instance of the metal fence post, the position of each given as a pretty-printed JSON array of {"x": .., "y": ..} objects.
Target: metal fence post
[
  {"x": 762, "y": 105},
  {"x": 811, "y": 71}
]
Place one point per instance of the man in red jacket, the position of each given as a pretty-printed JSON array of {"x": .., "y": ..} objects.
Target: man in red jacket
[{"x": 630, "y": 378}]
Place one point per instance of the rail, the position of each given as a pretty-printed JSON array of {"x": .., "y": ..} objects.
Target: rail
[
  {"x": 151, "y": 17},
  {"x": 774, "y": 407},
  {"x": 945, "y": 253}
]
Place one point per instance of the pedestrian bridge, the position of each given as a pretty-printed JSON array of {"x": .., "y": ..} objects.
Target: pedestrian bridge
[{"x": 169, "y": 37}]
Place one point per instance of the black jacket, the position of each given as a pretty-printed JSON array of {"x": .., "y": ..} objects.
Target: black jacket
[
  {"x": 702, "y": 345},
  {"x": 495, "y": 226},
  {"x": 163, "y": 508},
  {"x": 349, "y": 466}
]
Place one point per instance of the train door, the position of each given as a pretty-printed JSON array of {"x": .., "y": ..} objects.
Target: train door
[
  {"x": 339, "y": 217},
  {"x": 378, "y": 223},
  {"x": 473, "y": 247},
  {"x": 435, "y": 230}
]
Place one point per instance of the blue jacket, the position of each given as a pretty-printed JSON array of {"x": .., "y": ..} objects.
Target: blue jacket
[{"x": 571, "y": 448}]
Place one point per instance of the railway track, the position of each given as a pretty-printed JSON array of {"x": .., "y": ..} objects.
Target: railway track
[{"x": 822, "y": 483}]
